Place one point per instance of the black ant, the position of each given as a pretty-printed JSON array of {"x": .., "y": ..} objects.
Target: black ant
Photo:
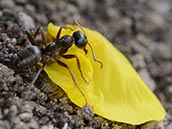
[{"x": 57, "y": 49}]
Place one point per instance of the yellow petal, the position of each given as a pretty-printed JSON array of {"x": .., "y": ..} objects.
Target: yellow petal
[{"x": 116, "y": 91}]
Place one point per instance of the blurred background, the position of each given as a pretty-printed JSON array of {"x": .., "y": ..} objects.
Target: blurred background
[{"x": 141, "y": 29}]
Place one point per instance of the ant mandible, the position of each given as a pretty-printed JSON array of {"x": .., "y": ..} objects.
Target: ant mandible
[{"x": 32, "y": 54}]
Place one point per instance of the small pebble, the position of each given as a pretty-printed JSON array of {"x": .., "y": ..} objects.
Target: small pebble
[
  {"x": 25, "y": 117},
  {"x": 65, "y": 126},
  {"x": 26, "y": 20},
  {"x": 87, "y": 112},
  {"x": 21, "y": 1},
  {"x": 7, "y": 3},
  {"x": 147, "y": 79},
  {"x": 138, "y": 61},
  {"x": 47, "y": 127},
  {"x": 13, "y": 110},
  {"x": 4, "y": 124}
]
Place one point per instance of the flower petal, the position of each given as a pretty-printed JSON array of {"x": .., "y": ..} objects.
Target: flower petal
[{"x": 115, "y": 91}]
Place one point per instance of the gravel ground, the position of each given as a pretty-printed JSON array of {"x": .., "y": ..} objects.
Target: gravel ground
[{"x": 141, "y": 29}]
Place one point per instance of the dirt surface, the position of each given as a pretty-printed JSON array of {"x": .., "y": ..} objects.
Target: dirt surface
[{"x": 141, "y": 29}]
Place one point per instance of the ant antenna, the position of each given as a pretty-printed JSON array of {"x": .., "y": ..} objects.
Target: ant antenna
[
  {"x": 94, "y": 56},
  {"x": 77, "y": 23}
]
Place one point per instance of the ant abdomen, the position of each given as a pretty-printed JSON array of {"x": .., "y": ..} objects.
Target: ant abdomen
[{"x": 28, "y": 57}]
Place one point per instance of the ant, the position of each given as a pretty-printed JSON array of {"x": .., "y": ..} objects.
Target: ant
[{"x": 31, "y": 55}]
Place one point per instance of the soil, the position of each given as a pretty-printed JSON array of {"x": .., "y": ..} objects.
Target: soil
[{"x": 141, "y": 29}]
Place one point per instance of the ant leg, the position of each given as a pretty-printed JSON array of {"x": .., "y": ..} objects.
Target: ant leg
[
  {"x": 70, "y": 71},
  {"x": 36, "y": 77},
  {"x": 86, "y": 51},
  {"x": 57, "y": 94},
  {"x": 30, "y": 37},
  {"x": 72, "y": 75},
  {"x": 38, "y": 73},
  {"x": 38, "y": 31},
  {"x": 94, "y": 56},
  {"x": 59, "y": 32},
  {"x": 28, "y": 34},
  {"x": 31, "y": 85},
  {"x": 70, "y": 56},
  {"x": 11, "y": 31}
]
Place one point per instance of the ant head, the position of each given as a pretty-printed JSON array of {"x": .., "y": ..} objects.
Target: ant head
[{"x": 80, "y": 39}]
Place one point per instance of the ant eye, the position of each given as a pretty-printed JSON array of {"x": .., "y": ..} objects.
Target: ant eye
[{"x": 80, "y": 39}]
